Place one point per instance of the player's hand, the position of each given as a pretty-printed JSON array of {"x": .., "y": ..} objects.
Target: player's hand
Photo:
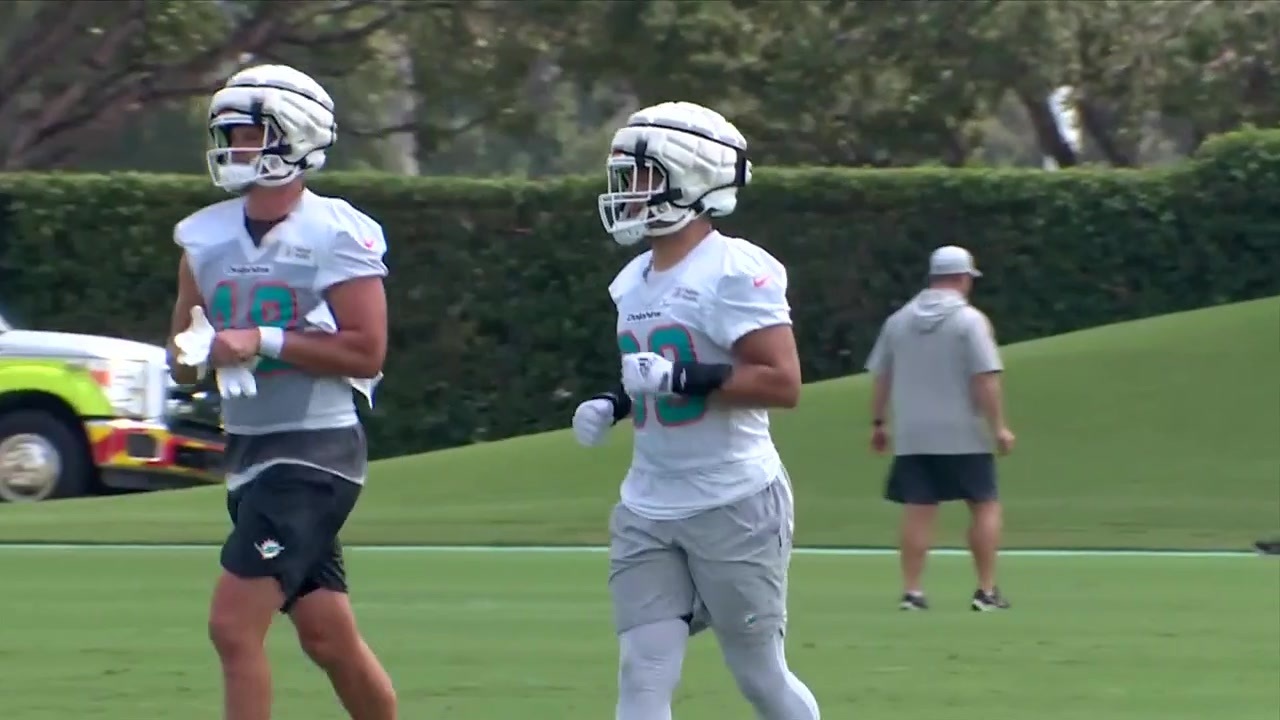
[
  {"x": 879, "y": 440},
  {"x": 591, "y": 421},
  {"x": 1005, "y": 440},
  {"x": 234, "y": 347},
  {"x": 646, "y": 373}
]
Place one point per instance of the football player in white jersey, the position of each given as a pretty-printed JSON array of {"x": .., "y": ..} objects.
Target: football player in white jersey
[
  {"x": 702, "y": 534},
  {"x": 282, "y": 289}
]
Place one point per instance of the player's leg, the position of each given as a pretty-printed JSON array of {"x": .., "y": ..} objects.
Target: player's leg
[
  {"x": 739, "y": 557},
  {"x": 911, "y": 485},
  {"x": 653, "y": 602},
  {"x": 975, "y": 476},
  {"x": 264, "y": 560},
  {"x": 323, "y": 617},
  {"x": 239, "y": 617},
  {"x": 328, "y": 633}
]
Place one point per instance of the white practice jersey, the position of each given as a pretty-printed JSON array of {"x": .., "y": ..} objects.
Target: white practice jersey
[
  {"x": 692, "y": 454},
  {"x": 279, "y": 282}
]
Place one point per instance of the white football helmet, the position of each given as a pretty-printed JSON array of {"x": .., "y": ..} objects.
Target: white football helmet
[
  {"x": 295, "y": 114},
  {"x": 668, "y": 165}
]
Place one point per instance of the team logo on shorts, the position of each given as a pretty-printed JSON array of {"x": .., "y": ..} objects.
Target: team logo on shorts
[{"x": 269, "y": 548}]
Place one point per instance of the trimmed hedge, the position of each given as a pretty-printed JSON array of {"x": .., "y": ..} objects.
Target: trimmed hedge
[{"x": 501, "y": 320}]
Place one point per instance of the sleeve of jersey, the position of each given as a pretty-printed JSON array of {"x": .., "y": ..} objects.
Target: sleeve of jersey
[
  {"x": 356, "y": 251},
  {"x": 186, "y": 237},
  {"x": 746, "y": 302},
  {"x": 627, "y": 278},
  {"x": 182, "y": 233}
]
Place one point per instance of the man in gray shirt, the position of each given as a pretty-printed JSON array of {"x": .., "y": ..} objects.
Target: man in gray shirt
[{"x": 937, "y": 362}]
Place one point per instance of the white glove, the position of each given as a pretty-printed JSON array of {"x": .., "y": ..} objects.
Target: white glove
[
  {"x": 194, "y": 343},
  {"x": 591, "y": 422},
  {"x": 193, "y": 346},
  {"x": 646, "y": 373},
  {"x": 237, "y": 381}
]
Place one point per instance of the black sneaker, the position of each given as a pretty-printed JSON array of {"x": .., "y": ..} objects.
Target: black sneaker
[
  {"x": 987, "y": 602},
  {"x": 913, "y": 601},
  {"x": 1267, "y": 547}
]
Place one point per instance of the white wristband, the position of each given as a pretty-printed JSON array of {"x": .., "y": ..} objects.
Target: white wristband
[{"x": 271, "y": 341}]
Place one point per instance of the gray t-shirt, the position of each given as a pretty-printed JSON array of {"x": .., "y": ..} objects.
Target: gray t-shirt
[{"x": 932, "y": 347}]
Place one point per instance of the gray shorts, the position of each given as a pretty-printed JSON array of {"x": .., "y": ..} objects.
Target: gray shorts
[{"x": 726, "y": 566}]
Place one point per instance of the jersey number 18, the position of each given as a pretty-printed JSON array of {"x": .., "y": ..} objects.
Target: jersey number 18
[{"x": 676, "y": 344}]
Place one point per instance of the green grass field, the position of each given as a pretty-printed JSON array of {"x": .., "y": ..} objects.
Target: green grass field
[
  {"x": 113, "y": 635},
  {"x": 1157, "y": 434}
]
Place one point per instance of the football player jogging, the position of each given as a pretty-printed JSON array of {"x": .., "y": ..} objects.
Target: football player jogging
[
  {"x": 291, "y": 284},
  {"x": 702, "y": 535}
]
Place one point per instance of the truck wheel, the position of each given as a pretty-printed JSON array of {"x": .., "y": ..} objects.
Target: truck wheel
[{"x": 41, "y": 458}]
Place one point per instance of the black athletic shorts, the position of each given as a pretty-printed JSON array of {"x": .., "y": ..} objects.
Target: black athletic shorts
[
  {"x": 285, "y": 525},
  {"x": 932, "y": 479}
]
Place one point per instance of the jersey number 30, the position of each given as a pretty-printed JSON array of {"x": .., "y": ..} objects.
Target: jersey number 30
[
  {"x": 675, "y": 343},
  {"x": 270, "y": 305}
]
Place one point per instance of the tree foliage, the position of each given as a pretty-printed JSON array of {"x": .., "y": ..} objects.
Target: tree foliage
[
  {"x": 75, "y": 71},
  {"x": 534, "y": 87}
]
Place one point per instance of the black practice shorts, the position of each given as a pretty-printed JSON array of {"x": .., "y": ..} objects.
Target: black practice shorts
[
  {"x": 285, "y": 526},
  {"x": 932, "y": 479}
]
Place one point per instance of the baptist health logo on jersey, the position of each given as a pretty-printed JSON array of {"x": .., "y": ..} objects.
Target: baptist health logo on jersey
[
  {"x": 269, "y": 549},
  {"x": 291, "y": 254}
]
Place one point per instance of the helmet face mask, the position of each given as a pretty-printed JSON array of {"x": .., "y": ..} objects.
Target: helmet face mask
[
  {"x": 246, "y": 152},
  {"x": 637, "y": 203},
  {"x": 268, "y": 126},
  {"x": 671, "y": 163}
]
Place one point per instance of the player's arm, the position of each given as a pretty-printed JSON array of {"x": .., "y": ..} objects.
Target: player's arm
[
  {"x": 617, "y": 397},
  {"x": 880, "y": 365},
  {"x": 359, "y": 347},
  {"x": 750, "y": 315},
  {"x": 188, "y": 298},
  {"x": 351, "y": 279},
  {"x": 766, "y": 370},
  {"x": 983, "y": 356},
  {"x": 594, "y": 416}
]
